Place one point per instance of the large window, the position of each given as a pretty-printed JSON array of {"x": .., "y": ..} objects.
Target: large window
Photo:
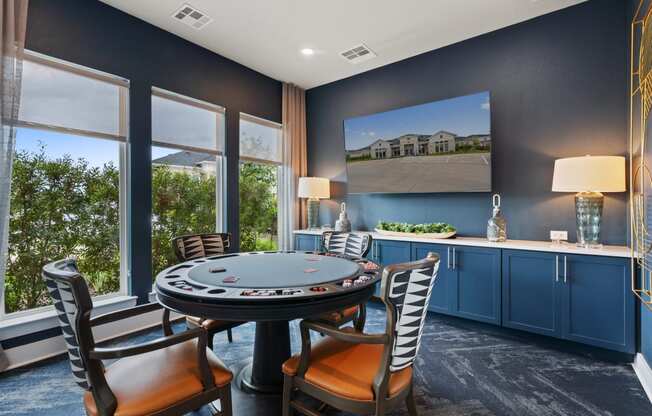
[
  {"x": 68, "y": 180},
  {"x": 187, "y": 171},
  {"x": 260, "y": 161}
]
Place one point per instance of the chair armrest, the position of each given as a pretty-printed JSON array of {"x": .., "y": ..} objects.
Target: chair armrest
[
  {"x": 125, "y": 313},
  {"x": 207, "y": 379},
  {"x": 347, "y": 336},
  {"x": 157, "y": 344}
]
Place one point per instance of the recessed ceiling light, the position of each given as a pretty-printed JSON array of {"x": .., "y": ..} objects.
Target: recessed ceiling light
[{"x": 307, "y": 51}]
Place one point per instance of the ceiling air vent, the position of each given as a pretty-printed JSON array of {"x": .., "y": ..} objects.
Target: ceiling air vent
[
  {"x": 357, "y": 54},
  {"x": 192, "y": 17}
]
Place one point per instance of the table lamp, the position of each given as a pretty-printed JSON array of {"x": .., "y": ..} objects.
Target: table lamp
[
  {"x": 589, "y": 176},
  {"x": 314, "y": 189}
]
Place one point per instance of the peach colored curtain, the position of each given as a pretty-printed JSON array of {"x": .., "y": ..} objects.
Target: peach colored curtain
[
  {"x": 295, "y": 163},
  {"x": 12, "y": 39}
]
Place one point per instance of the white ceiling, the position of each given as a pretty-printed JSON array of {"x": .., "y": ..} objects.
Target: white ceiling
[{"x": 267, "y": 35}]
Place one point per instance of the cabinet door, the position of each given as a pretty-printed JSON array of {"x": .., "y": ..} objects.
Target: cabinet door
[
  {"x": 390, "y": 252},
  {"x": 476, "y": 283},
  {"x": 598, "y": 305},
  {"x": 306, "y": 242},
  {"x": 439, "y": 298},
  {"x": 531, "y": 292}
]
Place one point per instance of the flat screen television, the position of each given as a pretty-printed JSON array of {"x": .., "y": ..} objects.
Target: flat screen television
[{"x": 442, "y": 146}]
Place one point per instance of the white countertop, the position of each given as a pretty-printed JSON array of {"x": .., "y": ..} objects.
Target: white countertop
[{"x": 547, "y": 246}]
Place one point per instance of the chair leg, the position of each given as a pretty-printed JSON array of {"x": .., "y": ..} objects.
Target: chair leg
[
  {"x": 287, "y": 395},
  {"x": 411, "y": 404},
  {"x": 229, "y": 335},
  {"x": 225, "y": 401},
  {"x": 211, "y": 338}
]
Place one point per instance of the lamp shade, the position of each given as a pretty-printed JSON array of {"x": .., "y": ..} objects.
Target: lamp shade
[
  {"x": 311, "y": 187},
  {"x": 589, "y": 174}
]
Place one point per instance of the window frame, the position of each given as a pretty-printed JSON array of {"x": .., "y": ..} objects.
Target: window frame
[
  {"x": 122, "y": 138},
  {"x": 220, "y": 162},
  {"x": 263, "y": 122},
  {"x": 280, "y": 166}
]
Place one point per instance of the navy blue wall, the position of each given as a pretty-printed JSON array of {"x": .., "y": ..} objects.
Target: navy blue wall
[
  {"x": 558, "y": 88},
  {"x": 93, "y": 34}
]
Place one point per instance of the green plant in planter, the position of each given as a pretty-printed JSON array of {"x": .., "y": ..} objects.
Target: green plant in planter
[{"x": 402, "y": 227}]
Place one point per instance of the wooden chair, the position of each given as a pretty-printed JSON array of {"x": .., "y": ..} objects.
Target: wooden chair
[
  {"x": 197, "y": 246},
  {"x": 169, "y": 376},
  {"x": 366, "y": 373},
  {"x": 356, "y": 246}
]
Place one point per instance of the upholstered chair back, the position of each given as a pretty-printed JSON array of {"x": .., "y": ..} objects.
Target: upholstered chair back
[
  {"x": 349, "y": 244},
  {"x": 406, "y": 289},
  {"x": 189, "y": 247},
  {"x": 72, "y": 301}
]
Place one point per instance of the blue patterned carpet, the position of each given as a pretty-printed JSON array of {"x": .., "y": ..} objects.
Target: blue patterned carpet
[{"x": 463, "y": 369}]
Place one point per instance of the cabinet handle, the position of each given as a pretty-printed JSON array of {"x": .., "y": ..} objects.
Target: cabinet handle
[
  {"x": 454, "y": 258},
  {"x": 448, "y": 258},
  {"x": 565, "y": 269},
  {"x": 557, "y": 268}
]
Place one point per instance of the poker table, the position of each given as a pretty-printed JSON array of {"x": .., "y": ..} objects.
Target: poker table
[{"x": 271, "y": 289}]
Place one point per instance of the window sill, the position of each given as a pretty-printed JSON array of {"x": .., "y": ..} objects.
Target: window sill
[{"x": 40, "y": 321}]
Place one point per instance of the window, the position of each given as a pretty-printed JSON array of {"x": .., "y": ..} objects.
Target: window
[
  {"x": 187, "y": 171},
  {"x": 69, "y": 179},
  {"x": 260, "y": 164}
]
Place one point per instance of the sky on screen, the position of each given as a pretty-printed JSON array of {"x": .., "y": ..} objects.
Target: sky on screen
[{"x": 462, "y": 115}]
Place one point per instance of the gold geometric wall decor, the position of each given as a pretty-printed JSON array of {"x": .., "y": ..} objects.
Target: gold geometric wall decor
[{"x": 640, "y": 176}]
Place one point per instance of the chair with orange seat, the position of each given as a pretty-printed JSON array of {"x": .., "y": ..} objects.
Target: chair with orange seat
[
  {"x": 169, "y": 376},
  {"x": 355, "y": 246},
  {"x": 366, "y": 373},
  {"x": 197, "y": 246}
]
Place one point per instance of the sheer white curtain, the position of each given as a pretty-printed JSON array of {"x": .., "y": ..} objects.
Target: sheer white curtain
[
  {"x": 12, "y": 33},
  {"x": 295, "y": 164}
]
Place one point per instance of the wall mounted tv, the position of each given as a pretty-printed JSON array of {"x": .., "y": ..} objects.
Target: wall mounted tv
[{"x": 442, "y": 146}]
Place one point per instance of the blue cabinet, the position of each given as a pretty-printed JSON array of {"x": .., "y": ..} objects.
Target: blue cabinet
[
  {"x": 306, "y": 242},
  {"x": 579, "y": 298},
  {"x": 439, "y": 298},
  {"x": 531, "y": 297},
  {"x": 385, "y": 252},
  {"x": 468, "y": 283},
  {"x": 475, "y": 284},
  {"x": 597, "y": 302}
]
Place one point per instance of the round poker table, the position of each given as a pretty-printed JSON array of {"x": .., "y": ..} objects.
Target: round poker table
[{"x": 269, "y": 288}]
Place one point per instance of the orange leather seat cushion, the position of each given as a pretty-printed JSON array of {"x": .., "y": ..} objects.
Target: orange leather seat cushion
[
  {"x": 150, "y": 382},
  {"x": 347, "y": 369},
  {"x": 209, "y": 324},
  {"x": 338, "y": 317}
]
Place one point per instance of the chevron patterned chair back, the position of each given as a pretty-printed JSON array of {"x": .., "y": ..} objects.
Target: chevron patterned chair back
[
  {"x": 407, "y": 287},
  {"x": 349, "y": 244},
  {"x": 195, "y": 246},
  {"x": 72, "y": 301}
]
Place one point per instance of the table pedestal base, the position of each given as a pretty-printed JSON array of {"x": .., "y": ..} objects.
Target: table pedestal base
[{"x": 271, "y": 350}]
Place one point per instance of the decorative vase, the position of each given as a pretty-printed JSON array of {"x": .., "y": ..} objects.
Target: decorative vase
[
  {"x": 343, "y": 224},
  {"x": 497, "y": 226}
]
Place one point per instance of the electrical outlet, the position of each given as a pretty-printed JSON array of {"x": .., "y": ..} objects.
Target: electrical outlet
[{"x": 559, "y": 235}]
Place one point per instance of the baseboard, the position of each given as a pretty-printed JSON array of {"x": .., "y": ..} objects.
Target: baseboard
[
  {"x": 644, "y": 373},
  {"x": 51, "y": 347}
]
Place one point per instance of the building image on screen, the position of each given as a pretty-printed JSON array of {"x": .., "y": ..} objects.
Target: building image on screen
[{"x": 442, "y": 146}]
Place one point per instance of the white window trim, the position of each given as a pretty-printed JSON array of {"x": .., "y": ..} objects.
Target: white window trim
[
  {"x": 40, "y": 313},
  {"x": 19, "y": 323}
]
